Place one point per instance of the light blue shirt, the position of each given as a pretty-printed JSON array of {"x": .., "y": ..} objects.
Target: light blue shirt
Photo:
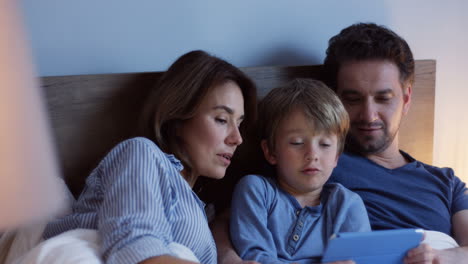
[
  {"x": 139, "y": 202},
  {"x": 270, "y": 226}
]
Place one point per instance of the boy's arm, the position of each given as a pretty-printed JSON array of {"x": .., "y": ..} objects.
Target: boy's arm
[
  {"x": 356, "y": 219},
  {"x": 226, "y": 252},
  {"x": 249, "y": 219}
]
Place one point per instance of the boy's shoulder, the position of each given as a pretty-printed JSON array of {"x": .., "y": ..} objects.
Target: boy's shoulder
[
  {"x": 258, "y": 184},
  {"x": 257, "y": 180},
  {"x": 335, "y": 190}
]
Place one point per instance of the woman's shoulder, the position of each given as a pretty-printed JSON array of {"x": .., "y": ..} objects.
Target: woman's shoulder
[
  {"x": 138, "y": 142},
  {"x": 139, "y": 149}
]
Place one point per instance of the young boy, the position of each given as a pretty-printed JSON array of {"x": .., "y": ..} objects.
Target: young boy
[{"x": 290, "y": 217}]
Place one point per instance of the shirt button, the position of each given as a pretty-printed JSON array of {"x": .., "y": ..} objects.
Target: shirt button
[
  {"x": 301, "y": 224},
  {"x": 298, "y": 212},
  {"x": 296, "y": 237}
]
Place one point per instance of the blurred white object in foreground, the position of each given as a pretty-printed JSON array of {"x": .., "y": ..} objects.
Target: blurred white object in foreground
[{"x": 28, "y": 190}]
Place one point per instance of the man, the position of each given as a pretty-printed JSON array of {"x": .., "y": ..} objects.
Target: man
[{"x": 372, "y": 71}]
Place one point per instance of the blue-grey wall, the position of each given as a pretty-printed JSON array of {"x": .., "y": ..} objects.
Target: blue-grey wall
[
  {"x": 89, "y": 36},
  {"x": 104, "y": 36}
]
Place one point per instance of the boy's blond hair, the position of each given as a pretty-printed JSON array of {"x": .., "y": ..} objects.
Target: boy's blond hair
[{"x": 318, "y": 102}]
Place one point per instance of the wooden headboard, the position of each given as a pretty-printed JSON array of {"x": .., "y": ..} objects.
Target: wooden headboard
[{"x": 92, "y": 113}]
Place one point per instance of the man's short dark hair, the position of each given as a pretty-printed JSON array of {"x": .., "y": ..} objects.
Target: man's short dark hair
[{"x": 368, "y": 41}]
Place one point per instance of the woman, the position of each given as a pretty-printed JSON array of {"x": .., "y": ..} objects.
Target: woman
[{"x": 139, "y": 198}]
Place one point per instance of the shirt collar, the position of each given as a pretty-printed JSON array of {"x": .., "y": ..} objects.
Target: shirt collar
[{"x": 176, "y": 162}]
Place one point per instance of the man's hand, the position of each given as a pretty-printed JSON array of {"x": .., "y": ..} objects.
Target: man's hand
[{"x": 423, "y": 254}]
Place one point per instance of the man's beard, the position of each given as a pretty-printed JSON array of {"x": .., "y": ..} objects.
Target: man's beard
[{"x": 366, "y": 145}]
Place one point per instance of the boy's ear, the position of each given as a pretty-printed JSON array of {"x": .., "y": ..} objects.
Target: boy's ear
[
  {"x": 269, "y": 155},
  {"x": 336, "y": 160}
]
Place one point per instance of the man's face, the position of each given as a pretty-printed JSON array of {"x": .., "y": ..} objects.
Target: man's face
[{"x": 375, "y": 100}]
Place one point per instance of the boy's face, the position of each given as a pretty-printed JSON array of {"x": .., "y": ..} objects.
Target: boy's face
[{"x": 304, "y": 159}]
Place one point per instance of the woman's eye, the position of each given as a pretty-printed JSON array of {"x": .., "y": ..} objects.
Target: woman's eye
[{"x": 221, "y": 120}]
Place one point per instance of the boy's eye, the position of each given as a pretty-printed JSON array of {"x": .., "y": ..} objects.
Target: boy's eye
[
  {"x": 296, "y": 143},
  {"x": 326, "y": 145}
]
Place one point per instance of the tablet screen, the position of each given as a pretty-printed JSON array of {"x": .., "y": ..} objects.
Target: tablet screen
[{"x": 383, "y": 246}]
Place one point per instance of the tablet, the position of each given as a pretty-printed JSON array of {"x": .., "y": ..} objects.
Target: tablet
[{"x": 383, "y": 247}]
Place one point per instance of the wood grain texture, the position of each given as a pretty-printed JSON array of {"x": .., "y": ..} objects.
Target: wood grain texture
[{"x": 92, "y": 113}]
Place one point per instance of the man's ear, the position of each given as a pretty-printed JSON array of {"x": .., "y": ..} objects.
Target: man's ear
[
  {"x": 407, "y": 91},
  {"x": 269, "y": 155}
]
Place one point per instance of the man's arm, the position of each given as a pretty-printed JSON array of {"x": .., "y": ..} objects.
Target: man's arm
[
  {"x": 460, "y": 232},
  {"x": 459, "y": 255}
]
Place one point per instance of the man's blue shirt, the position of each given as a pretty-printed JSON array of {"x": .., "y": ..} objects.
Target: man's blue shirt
[{"x": 415, "y": 195}]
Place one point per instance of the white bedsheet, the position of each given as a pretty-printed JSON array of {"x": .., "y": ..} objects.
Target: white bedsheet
[
  {"x": 72, "y": 247},
  {"x": 439, "y": 240},
  {"x": 78, "y": 246}
]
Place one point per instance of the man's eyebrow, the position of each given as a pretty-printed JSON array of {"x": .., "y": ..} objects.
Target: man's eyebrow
[
  {"x": 228, "y": 110},
  {"x": 385, "y": 91},
  {"x": 380, "y": 92},
  {"x": 350, "y": 92}
]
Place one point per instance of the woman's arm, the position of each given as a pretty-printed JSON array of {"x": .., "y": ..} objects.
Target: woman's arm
[
  {"x": 132, "y": 218},
  {"x": 166, "y": 259}
]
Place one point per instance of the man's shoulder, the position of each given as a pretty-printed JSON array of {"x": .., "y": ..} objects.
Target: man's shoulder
[{"x": 428, "y": 167}]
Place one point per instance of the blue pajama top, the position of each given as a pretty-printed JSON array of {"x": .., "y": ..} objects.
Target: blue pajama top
[{"x": 270, "y": 226}]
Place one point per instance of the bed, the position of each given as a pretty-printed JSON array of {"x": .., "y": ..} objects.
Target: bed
[{"x": 92, "y": 113}]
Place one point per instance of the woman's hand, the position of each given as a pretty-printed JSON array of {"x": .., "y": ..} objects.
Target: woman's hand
[{"x": 341, "y": 262}]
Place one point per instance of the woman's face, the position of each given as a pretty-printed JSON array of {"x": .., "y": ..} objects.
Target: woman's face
[{"x": 212, "y": 135}]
